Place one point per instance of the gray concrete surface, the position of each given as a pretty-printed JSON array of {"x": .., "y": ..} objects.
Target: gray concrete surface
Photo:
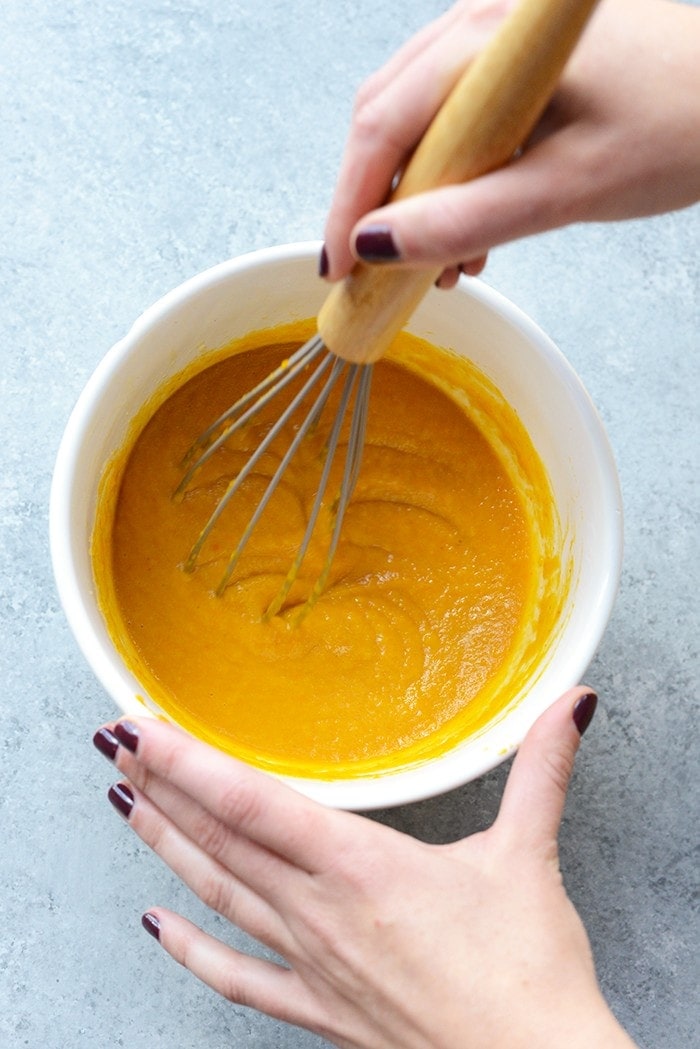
[{"x": 142, "y": 141}]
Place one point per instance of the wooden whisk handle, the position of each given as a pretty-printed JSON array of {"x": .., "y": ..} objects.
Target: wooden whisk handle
[{"x": 487, "y": 116}]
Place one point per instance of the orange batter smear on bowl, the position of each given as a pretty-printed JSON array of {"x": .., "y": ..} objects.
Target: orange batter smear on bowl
[{"x": 443, "y": 595}]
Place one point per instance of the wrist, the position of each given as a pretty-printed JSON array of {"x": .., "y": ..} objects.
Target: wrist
[
  {"x": 593, "y": 1026},
  {"x": 586, "y": 1025}
]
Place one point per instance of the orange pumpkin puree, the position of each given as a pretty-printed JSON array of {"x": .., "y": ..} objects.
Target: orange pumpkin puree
[{"x": 444, "y": 591}]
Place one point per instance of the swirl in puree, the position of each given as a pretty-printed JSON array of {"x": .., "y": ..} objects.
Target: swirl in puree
[{"x": 443, "y": 594}]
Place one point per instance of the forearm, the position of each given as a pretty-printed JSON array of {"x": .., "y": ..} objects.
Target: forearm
[{"x": 648, "y": 110}]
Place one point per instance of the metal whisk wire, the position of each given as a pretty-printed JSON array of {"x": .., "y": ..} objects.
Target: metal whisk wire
[
  {"x": 356, "y": 375},
  {"x": 353, "y": 458},
  {"x": 205, "y": 446},
  {"x": 491, "y": 110}
]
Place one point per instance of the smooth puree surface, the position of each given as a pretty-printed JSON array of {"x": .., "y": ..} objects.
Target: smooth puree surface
[{"x": 443, "y": 592}]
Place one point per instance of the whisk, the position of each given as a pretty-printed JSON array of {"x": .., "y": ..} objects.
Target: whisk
[{"x": 485, "y": 119}]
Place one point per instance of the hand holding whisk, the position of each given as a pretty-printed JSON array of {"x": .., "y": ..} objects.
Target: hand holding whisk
[{"x": 487, "y": 116}]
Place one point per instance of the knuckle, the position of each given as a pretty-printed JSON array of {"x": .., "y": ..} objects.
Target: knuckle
[
  {"x": 153, "y": 831},
  {"x": 558, "y": 764},
  {"x": 369, "y": 117},
  {"x": 362, "y": 883},
  {"x": 234, "y": 987},
  {"x": 239, "y": 805},
  {"x": 366, "y": 94},
  {"x": 215, "y": 891},
  {"x": 211, "y": 835}
]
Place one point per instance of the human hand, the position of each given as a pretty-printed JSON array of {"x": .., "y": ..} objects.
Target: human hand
[
  {"x": 389, "y": 942},
  {"x": 620, "y": 139}
]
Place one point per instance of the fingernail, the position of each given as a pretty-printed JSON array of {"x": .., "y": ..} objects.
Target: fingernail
[
  {"x": 122, "y": 798},
  {"x": 584, "y": 709},
  {"x": 106, "y": 742},
  {"x": 323, "y": 263},
  {"x": 127, "y": 734},
  {"x": 376, "y": 244},
  {"x": 151, "y": 925}
]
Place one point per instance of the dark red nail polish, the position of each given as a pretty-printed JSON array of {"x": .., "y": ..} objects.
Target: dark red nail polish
[
  {"x": 122, "y": 798},
  {"x": 584, "y": 709},
  {"x": 106, "y": 742},
  {"x": 151, "y": 924},
  {"x": 376, "y": 244},
  {"x": 323, "y": 263},
  {"x": 127, "y": 734}
]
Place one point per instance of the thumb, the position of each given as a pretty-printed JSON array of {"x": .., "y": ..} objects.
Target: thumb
[
  {"x": 535, "y": 794},
  {"x": 458, "y": 223}
]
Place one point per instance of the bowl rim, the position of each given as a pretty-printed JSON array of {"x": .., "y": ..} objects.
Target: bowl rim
[{"x": 369, "y": 792}]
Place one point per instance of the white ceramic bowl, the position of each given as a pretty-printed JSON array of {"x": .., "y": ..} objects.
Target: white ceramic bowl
[{"x": 278, "y": 285}]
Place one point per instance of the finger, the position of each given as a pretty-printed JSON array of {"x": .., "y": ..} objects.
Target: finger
[
  {"x": 393, "y": 109},
  {"x": 240, "y": 978},
  {"x": 383, "y": 133},
  {"x": 535, "y": 794},
  {"x": 212, "y": 880},
  {"x": 246, "y": 800},
  {"x": 263, "y": 870},
  {"x": 411, "y": 50},
  {"x": 449, "y": 277},
  {"x": 475, "y": 266},
  {"x": 464, "y": 221}
]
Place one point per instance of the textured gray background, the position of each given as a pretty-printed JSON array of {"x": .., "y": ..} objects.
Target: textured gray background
[{"x": 142, "y": 141}]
